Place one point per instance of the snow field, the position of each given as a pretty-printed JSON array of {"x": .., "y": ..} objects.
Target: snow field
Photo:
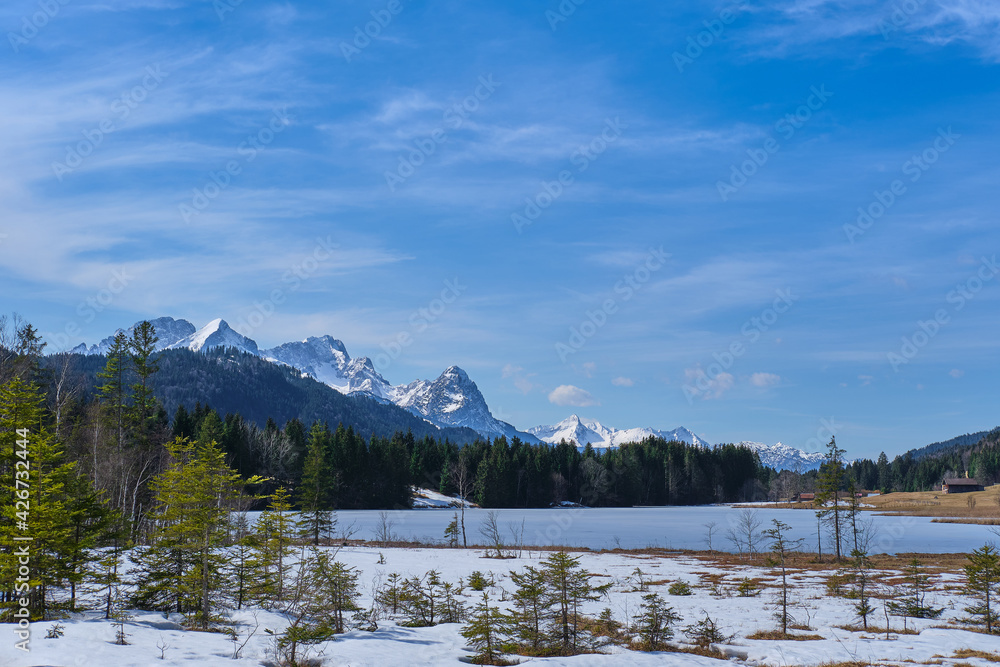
[{"x": 88, "y": 639}]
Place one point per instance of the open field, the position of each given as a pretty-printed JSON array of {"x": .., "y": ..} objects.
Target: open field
[
  {"x": 937, "y": 504},
  {"x": 951, "y": 508},
  {"x": 826, "y": 628}
]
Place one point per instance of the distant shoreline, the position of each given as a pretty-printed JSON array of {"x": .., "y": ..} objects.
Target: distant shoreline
[{"x": 977, "y": 507}]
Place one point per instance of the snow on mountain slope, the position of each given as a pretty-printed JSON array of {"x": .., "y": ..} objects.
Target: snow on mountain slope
[
  {"x": 324, "y": 358},
  {"x": 582, "y": 432},
  {"x": 784, "y": 457},
  {"x": 575, "y": 430},
  {"x": 453, "y": 399},
  {"x": 595, "y": 433},
  {"x": 216, "y": 333},
  {"x": 168, "y": 330}
]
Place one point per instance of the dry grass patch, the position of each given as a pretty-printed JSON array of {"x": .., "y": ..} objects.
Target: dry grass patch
[
  {"x": 778, "y": 635},
  {"x": 875, "y": 630},
  {"x": 982, "y": 655},
  {"x": 977, "y": 522},
  {"x": 938, "y": 504}
]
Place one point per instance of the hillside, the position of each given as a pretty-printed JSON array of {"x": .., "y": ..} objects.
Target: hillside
[
  {"x": 232, "y": 381},
  {"x": 957, "y": 442}
]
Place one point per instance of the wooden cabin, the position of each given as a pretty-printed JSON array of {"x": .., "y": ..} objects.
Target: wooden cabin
[{"x": 961, "y": 485}]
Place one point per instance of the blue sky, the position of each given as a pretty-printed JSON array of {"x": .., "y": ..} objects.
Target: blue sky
[{"x": 434, "y": 152}]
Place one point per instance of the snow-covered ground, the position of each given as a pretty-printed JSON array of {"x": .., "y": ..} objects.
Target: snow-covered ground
[
  {"x": 430, "y": 499},
  {"x": 88, "y": 640}
]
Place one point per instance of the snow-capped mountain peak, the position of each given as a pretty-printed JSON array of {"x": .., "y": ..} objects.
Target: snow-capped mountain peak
[
  {"x": 168, "y": 331},
  {"x": 216, "y": 333},
  {"x": 594, "y": 433},
  {"x": 784, "y": 457},
  {"x": 453, "y": 399}
]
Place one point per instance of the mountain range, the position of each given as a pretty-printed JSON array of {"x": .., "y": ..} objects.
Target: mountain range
[{"x": 452, "y": 400}]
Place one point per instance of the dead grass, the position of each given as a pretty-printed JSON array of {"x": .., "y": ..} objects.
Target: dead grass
[
  {"x": 875, "y": 630},
  {"x": 778, "y": 635},
  {"x": 937, "y": 504},
  {"x": 975, "y": 522},
  {"x": 924, "y": 503},
  {"x": 982, "y": 655}
]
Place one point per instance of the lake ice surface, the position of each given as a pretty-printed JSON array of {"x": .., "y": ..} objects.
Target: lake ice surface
[{"x": 665, "y": 527}]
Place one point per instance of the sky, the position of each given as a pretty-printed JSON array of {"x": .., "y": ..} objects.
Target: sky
[{"x": 769, "y": 221}]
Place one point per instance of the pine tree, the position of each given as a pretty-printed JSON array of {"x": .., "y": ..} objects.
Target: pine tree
[
  {"x": 828, "y": 485},
  {"x": 390, "y": 596},
  {"x": 910, "y": 601},
  {"x": 451, "y": 532},
  {"x": 35, "y": 487},
  {"x": 654, "y": 622},
  {"x": 316, "y": 521},
  {"x": 862, "y": 585},
  {"x": 273, "y": 548},
  {"x": 532, "y": 599},
  {"x": 423, "y": 599},
  {"x": 242, "y": 570},
  {"x": 488, "y": 632},
  {"x": 570, "y": 586},
  {"x": 781, "y": 546},
  {"x": 183, "y": 569},
  {"x": 336, "y": 591},
  {"x": 91, "y": 524},
  {"x": 884, "y": 473},
  {"x": 982, "y": 579},
  {"x": 114, "y": 391},
  {"x": 144, "y": 406}
]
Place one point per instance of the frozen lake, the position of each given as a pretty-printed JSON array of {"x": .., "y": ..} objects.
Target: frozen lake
[{"x": 667, "y": 527}]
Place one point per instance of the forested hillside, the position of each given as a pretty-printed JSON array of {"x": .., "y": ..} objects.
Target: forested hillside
[{"x": 235, "y": 382}]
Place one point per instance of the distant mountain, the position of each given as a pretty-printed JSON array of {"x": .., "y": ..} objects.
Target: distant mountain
[
  {"x": 168, "y": 330},
  {"x": 596, "y": 434},
  {"x": 583, "y": 432},
  {"x": 231, "y": 381},
  {"x": 326, "y": 359},
  {"x": 454, "y": 400},
  {"x": 451, "y": 401},
  {"x": 784, "y": 457},
  {"x": 215, "y": 334}
]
